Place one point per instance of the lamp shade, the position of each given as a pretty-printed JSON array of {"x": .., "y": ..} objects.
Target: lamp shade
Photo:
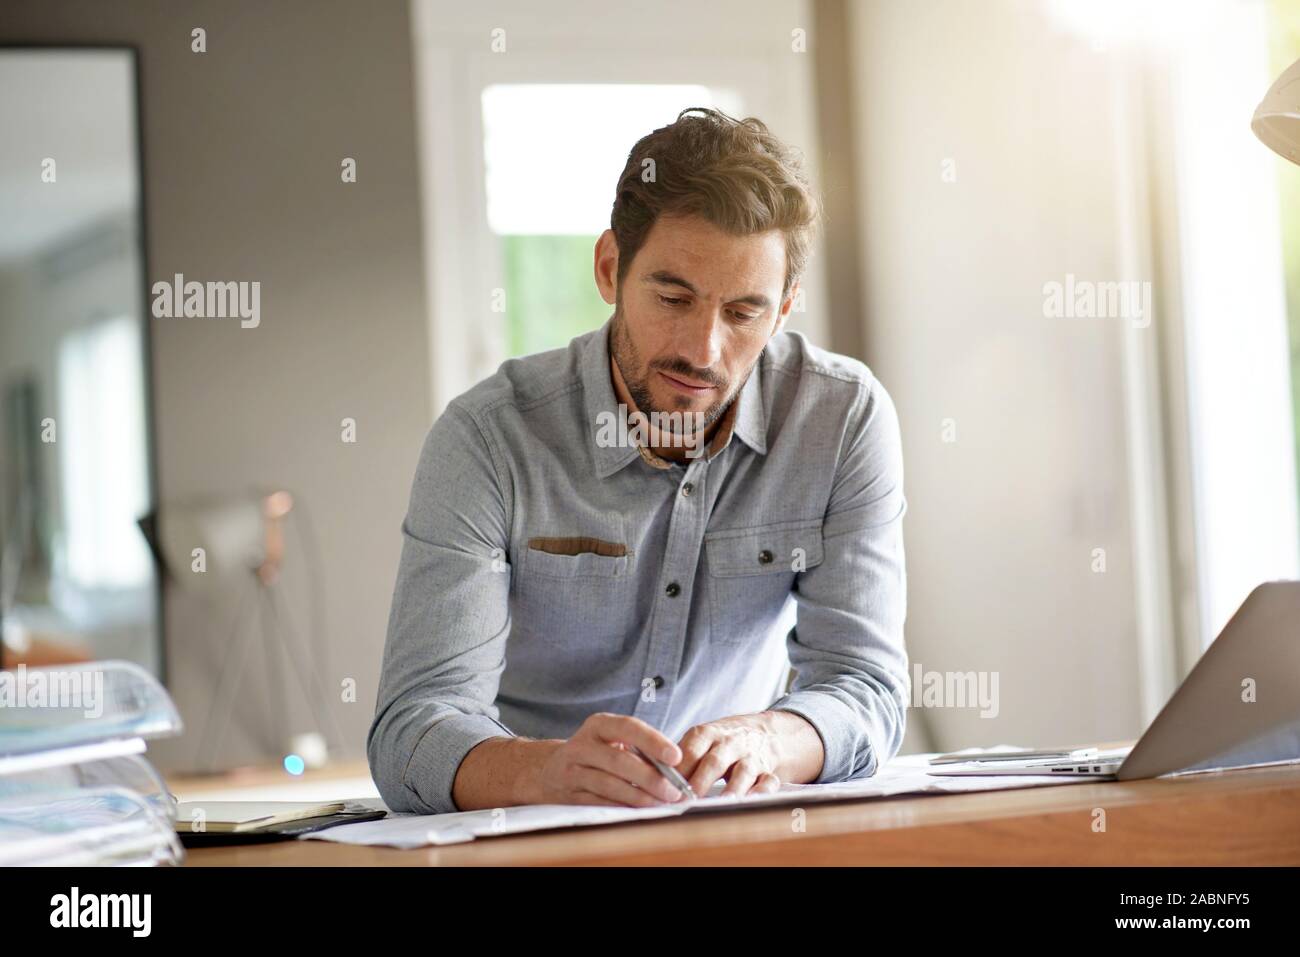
[{"x": 1277, "y": 119}]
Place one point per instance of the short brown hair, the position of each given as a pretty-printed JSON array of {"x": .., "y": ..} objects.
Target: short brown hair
[{"x": 734, "y": 173}]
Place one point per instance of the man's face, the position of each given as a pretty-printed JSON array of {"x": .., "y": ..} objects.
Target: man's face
[{"x": 693, "y": 312}]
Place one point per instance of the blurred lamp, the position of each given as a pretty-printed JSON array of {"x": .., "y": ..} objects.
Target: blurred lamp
[
  {"x": 241, "y": 536},
  {"x": 1277, "y": 119},
  {"x": 238, "y": 534}
]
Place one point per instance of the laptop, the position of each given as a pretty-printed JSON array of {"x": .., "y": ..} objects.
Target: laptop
[{"x": 1239, "y": 706}]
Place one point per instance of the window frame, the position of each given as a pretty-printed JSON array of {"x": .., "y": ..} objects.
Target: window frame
[{"x": 454, "y": 64}]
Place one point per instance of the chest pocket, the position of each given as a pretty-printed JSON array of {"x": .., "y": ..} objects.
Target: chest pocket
[
  {"x": 573, "y": 613},
  {"x": 581, "y": 565},
  {"x": 751, "y": 572}
]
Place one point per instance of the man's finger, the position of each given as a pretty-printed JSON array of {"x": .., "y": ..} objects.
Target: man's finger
[
  {"x": 744, "y": 773},
  {"x": 586, "y": 797},
  {"x": 713, "y": 766},
  {"x": 615, "y": 728},
  {"x": 627, "y": 765},
  {"x": 612, "y": 787},
  {"x": 694, "y": 745}
]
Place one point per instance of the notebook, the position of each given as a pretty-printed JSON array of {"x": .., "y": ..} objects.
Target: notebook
[{"x": 235, "y": 817}]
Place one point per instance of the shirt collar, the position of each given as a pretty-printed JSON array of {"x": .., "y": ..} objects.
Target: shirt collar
[{"x": 745, "y": 418}]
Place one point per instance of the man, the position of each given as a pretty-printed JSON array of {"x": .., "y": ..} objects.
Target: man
[{"x": 603, "y": 540}]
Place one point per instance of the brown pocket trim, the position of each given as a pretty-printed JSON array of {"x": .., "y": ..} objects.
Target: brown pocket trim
[{"x": 577, "y": 546}]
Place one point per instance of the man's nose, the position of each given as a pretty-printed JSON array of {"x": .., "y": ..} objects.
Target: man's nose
[{"x": 700, "y": 342}]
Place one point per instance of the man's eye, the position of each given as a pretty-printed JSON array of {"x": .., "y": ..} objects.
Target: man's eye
[
  {"x": 743, "y": 317},
  {"x": 670, "y": 301}
]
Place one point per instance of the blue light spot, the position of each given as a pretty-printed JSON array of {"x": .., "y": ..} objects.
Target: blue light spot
[{"x": 294, "y": 764}]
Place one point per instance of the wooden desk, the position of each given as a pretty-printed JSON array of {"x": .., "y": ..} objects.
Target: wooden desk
[{"x": 1249, "y": 816}]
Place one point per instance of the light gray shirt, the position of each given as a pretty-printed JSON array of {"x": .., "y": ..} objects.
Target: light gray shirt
[{"x": 549, "y": 573}]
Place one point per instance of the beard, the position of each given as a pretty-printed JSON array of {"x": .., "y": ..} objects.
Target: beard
[{"x": 638, "y": 382}]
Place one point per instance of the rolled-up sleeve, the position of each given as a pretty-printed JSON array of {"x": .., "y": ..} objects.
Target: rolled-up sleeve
[
  {"x": 847, "y": 649},
  {"x": 449, "y": 622}
]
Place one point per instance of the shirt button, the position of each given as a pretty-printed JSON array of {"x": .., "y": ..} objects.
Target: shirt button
[
  {"x": 765, "y": 557},
  {"x": 659, "y": 681},
  {"x": 673, "y": 590},
  {"x": 687, "y": 489}
]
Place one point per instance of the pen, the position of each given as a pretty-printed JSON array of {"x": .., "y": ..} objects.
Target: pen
[{"x": 669, "y": 772}]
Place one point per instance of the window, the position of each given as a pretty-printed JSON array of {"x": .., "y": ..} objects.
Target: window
[
  {"x": 548, "y": 206},
  {"x": 1239, "y": 382},
  {"x": 101, "y": 382},
  {"x": 526, "y": 115},
  {"x": 1284, "y": 33}
]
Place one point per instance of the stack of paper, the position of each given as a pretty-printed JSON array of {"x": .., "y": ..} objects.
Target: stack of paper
[{"x": 75, "y": 788}]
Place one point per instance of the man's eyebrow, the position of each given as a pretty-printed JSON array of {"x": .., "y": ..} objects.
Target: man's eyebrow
[
  {"x": 664, "y": 278},
  {"x": 755, "y": 300}
]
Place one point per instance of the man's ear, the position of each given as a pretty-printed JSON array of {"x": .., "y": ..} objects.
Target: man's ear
[
  {"x": 606, "y": 267},
  {"x": 786, "y": 305}
]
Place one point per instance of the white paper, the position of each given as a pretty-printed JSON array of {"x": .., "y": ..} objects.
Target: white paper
[
  {"x": 904, "y": 775},
  {"x": 427, "y": 830}
]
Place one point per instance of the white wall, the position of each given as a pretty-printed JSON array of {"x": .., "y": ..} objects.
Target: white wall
[
  {"x": 242, "y": 152},
  {"x": 1003, "y": 521}
]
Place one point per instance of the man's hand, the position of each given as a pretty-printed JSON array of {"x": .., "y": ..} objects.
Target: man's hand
[
  {"x": 596, "y": 765},
  {"x": 752, "y": 751}
]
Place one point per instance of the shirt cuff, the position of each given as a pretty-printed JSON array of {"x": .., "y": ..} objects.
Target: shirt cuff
[
  {"x": 433, "y": 766},
  {"x": 848, "y": 753}
]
